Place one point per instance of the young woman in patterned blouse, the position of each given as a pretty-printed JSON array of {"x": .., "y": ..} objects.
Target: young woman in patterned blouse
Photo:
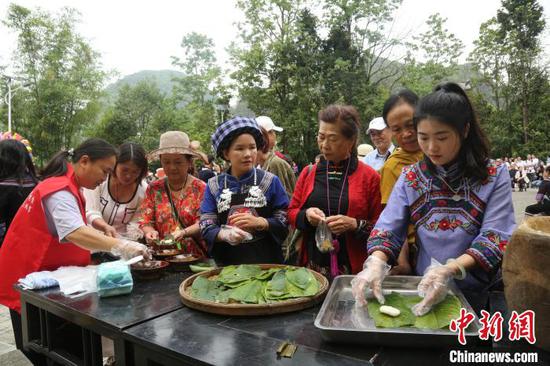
[{"x": 459, "y": 201}]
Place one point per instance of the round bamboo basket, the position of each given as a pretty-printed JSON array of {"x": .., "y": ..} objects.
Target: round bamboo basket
[
  {"x": 251, "y": 309},
  {"x": 525, "y": 272}
]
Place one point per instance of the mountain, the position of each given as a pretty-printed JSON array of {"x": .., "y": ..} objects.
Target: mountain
[{"x": 163, "y": 79}]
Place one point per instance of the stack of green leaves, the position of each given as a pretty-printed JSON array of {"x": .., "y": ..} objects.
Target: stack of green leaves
[
  {"x": 439, "y": 317},
  {"x": 249, "y": 284}
]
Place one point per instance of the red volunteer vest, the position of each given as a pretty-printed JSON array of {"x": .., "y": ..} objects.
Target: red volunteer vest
[{"x": 29, "y": 247}]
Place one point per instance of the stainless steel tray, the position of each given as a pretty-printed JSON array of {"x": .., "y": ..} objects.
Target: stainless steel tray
[{"x": 341, "y": 321}]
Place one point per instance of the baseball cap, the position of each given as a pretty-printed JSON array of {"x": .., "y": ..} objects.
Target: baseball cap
[
  {"x": 377, "y": 124},
  {"x": 267, "y": 124}
]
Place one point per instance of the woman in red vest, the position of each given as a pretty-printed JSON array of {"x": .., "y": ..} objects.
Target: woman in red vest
[
  {"x": 339, "y": 190},
  {"x": 49, "y": 229}
]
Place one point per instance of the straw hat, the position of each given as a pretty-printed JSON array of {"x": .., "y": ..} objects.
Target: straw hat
[
  {"x": 196, "y": 147},
  {"x": 173, "y": 142},
  {"x": 363, "y": 150}
]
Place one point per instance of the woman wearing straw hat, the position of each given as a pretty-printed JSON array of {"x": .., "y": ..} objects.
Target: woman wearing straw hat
[
  {"x": 243, "y": 214},
  {"x": 171, "y": 205}
]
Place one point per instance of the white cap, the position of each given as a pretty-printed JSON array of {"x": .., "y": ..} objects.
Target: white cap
[
  {"x": 377, "y": 124},
  {"x": 267, "y": 124}
]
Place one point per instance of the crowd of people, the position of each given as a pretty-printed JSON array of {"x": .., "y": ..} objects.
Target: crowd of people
[{"x": 425, "y": 200}]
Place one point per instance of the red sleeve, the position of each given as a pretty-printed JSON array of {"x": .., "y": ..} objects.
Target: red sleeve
[
  {"x": 375, "y": 206},
  {"x": 298, "y": 197}
]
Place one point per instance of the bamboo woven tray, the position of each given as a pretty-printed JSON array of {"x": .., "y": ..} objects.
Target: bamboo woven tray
[{"x": 285, "y": 306}]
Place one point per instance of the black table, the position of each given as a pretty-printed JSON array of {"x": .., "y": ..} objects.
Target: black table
[
  {"x": 191, "y": 337},
  {"x": 68, "y": 330}
]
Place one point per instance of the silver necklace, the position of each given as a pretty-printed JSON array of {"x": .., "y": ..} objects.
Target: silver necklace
[
  {"x": 255, "y": 198},
  {"x": 456, "y": 196}
]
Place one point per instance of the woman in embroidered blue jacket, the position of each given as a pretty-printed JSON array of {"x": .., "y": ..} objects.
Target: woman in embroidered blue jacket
[
  {"x": 243, "y": 212},
  {"x": 459, "y": 201}
]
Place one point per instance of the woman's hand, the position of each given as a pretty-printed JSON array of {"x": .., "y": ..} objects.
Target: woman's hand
[
  {"x": 374, "y": 271},
  {"x": 128, "y": 249},
  {"x": 110, "y": 231},
  {"x": 233, "y": 235},
  {"x": 433, "y": 287},
  {"x": 314, "y": 215},
  {"x": 151, "y": 236},
  {"x": 179, "y": 234},
  {"x": 339, "y": 224},
  {"x": 248, "y": 222}
]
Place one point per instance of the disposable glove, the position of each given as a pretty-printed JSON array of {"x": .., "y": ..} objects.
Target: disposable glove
[
  {"x": 433, "y": 287},
  {"x": 129, "y": 249},
  {"x": 373, "y": 273},
  {"x": 233, "y": 235}
]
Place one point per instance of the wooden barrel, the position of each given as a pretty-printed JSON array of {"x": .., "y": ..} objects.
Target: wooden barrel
[{"x": 526, "y": 274}]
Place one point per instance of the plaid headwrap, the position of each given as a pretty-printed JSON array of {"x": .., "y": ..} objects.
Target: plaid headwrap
[{"x": 230, "y": 129}]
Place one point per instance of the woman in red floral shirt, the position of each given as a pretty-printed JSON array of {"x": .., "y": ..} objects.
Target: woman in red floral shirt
[{"x": 171, "y": 205}]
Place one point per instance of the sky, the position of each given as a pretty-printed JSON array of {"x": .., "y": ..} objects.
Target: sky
[{"x": 143, "y": 35}]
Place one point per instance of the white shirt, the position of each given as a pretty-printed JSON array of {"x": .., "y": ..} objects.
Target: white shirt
[
  {"x": 376, "y": 160},
  {"x": 101, "y": 205},
  {"x": 62, "y": 214}
]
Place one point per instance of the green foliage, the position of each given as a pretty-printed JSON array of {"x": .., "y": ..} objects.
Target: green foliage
[
  {"x": 250, "y": 284},
  {"x": 432, "y": 57},
  {"x": 286, "y": 70},
  {"x": 512, "y": 77},
  {"x": 63, "y": 75},
  {"x": 140, "y": 113},
  {"x": 200, "y": 89}
]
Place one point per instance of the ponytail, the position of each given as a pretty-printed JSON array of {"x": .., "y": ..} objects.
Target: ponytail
[
  {"x": 94, "y": 148},
  {"x": 449, "y": 104}
]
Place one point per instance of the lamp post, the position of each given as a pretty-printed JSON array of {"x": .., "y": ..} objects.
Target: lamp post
[
  {"x": 222, "y": 108},
  {"x": 7, "y": 97}
]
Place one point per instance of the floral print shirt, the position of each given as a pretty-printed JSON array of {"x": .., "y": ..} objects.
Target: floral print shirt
[
  {"x": 156, "y": 211},
  {"x": 452, "y": 215}
]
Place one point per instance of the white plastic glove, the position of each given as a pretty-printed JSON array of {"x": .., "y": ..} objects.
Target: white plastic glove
[
  {"x": 433, "y": 287},
  {"x": 128, "y": 249},
  {"x": 373, "y": 273},
  {"x": 233, "y": 235}
]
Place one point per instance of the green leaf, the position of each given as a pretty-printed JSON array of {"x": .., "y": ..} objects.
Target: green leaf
[
  {"x": 251, "y": 284},
  {"x": 232, "y": 275},
  {"x": 250, "y": 292},
  {"x": 398, "y": 301},
  {"x": 441, "y": 314},
  {"x": 205, "y": 289},
  {"x": 439, "y": 317},
  {"x": 300, "y": 277}
]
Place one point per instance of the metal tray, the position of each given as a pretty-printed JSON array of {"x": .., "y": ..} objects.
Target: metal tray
[{"x": 341, "y": 321}]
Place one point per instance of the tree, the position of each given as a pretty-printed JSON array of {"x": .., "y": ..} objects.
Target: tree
[
  {"x": 64, "y": 78},
  {"x": 286, "y": 70},
  {"x": 507, "y": 57},
  {"x": 201, "y": 89},
  {"x": 521, "y": 25},
  {"x": 490, "y": 61},
  {"x": 136, "y": 115},
  {"x": 432, "y": 57},
  {"x": 267, "y": 68}
]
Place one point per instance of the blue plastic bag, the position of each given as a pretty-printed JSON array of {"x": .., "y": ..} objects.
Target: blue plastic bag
[{"x": 114, "y": 278}]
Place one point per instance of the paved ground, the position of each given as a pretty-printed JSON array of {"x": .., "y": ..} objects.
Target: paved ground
[{"x": 9, "y": 356}]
